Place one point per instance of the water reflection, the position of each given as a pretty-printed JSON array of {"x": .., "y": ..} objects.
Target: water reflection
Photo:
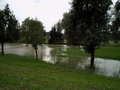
[
  {"x": 107, "y": 67},
  {"x": 52, "y": 54},
  {"x": 45, "y": 54}
]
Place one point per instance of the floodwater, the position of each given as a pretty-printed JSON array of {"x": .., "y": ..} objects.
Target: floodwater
[{"x": 52, "y": 54}]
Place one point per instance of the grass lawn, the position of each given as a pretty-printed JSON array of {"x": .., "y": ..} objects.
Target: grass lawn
[
  {"x": 22, "y": 73},
  {"x": 108, "y": 52}
]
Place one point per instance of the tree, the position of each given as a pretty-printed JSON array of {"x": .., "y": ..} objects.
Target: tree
[
  {"x": 71, "y": 35},
  {"x": 56, "y": 36},
  {"x": 88, "y": 19},
  {"x": 116, "y": 23},
  {"x": 9, "y": 27},
  {"x": 13, "y": 30},
  {"x": 25, "y": 30},
  {"x": 36, "y": 33},
  {"x": 2, "y": 31},
  {"x": 12, "y": 25},
  {"x": 52, "y": 34}
]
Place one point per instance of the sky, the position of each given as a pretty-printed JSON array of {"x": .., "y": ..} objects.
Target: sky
[{"x": 49, "y": 12}]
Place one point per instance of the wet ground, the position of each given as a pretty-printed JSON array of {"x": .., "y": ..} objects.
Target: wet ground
[{"x": 51, "y": 54}]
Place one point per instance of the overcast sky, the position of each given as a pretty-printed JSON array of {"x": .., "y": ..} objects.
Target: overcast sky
[{"x": 47, "y": 11}]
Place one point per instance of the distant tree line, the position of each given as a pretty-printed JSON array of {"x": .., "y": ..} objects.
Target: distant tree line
[{"x": 56, "y": 35}]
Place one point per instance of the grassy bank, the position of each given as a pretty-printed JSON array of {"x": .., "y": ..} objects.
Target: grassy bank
[
  {"x": 108, "y": 52},
  {"x": 21, "y": 73}
]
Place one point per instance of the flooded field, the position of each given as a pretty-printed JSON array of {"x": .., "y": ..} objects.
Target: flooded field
[{"x": 52, "y": 54}]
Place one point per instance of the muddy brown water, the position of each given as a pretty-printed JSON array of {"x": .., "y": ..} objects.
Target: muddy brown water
[{"x": 50, "y": 53}]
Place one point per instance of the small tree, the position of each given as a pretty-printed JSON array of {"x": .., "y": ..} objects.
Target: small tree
[{"x": 36, "y": 33}]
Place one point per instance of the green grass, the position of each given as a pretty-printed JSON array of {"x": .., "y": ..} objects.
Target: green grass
[
  {"x": 108, "y": 52},
  {"x": 22, "y": 73},
  {"x": 112, "y": 43},
  {"x": 73, "y": 52}
]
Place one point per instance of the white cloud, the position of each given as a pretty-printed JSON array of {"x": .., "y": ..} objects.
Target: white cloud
[
  {"x": 114, "y": 1},
  {"x": 47, "y": 11},
  {"x": 2, "y": 4}
]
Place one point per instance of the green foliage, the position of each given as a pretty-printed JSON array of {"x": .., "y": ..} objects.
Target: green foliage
[
  {"x": 116, "y": 23},
  {"x": 56, "y": 36},
  {"x": 90, "y": 21},
  {"x": 72, "y": 36},
  {"x": 2, "y": 27},
  {"x": 9, "y": 27},
  {"x": 36, "y": 31},
  {"x": 21, "y": 73},
  {"x": 25, "y": 31}
]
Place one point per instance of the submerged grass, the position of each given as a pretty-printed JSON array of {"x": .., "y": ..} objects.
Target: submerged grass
[{"x": 22, "y": 73}]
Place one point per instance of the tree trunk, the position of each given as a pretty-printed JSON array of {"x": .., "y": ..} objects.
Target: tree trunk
[
  {"x": 36, "y": 54},
  {"x": 2, "y": 48},
  {"x": 92, "y": 58}
]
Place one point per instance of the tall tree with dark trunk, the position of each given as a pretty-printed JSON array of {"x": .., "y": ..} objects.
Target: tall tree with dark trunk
[
  {"x": 87, "y": 22},
  {"x": 9, "y": 27},
  {"x": 36, "y": 33},
  {"x": 2, "y": 31}
]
